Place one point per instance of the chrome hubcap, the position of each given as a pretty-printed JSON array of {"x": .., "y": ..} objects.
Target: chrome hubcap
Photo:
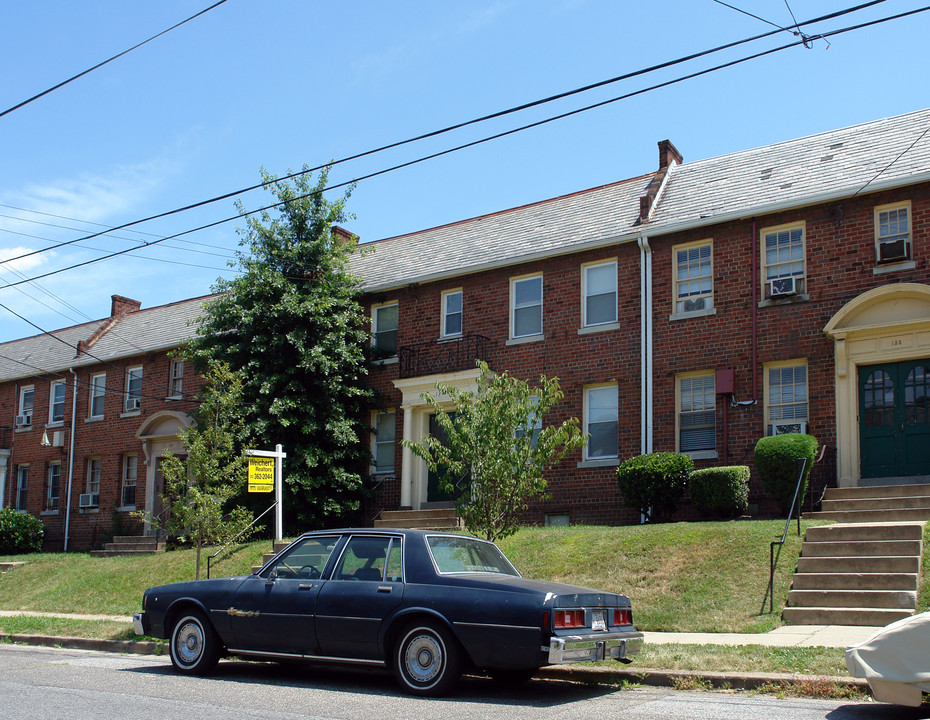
[
  {"x": 189, "y": 642},
  {"x": 423, "y": 658}
]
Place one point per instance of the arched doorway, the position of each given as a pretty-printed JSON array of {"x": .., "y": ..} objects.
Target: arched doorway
[{"x": 159, "y": 436}]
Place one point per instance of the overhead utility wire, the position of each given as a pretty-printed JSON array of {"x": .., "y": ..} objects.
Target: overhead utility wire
[
  {"x": 450, "y": 128},
  {"x": 477, "y": 142},
  {"x": 101, "y": 64}
]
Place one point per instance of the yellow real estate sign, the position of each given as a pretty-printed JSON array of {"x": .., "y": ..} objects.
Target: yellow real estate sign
[{"x": 261, "y": 474}]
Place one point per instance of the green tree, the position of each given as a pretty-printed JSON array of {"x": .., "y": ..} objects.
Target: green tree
[
  {"x": 200, "y": 487},
  {"x": 290, "y": 325},
  {"x": 496, "y": 448}
]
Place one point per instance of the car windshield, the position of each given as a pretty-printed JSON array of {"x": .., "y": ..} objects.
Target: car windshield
[{"x": 468, "y": 555}]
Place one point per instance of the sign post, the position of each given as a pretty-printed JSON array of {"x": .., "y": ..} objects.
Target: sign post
[{"x": 266, "y": 474}]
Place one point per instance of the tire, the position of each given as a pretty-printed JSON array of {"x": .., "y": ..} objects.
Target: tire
[
  {"x": 427, "y": 660},
  {"x": 194, "y": 645}
]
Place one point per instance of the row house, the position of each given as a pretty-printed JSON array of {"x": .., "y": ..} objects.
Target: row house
[
  {"x": 90, "y": 410},
  {"x": 693, "y": 309}
]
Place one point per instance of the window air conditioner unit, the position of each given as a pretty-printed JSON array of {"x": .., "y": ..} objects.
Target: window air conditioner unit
[
  {"x": 795, "y": 427},
  {"x": 23, "y": 420},
  {"x": 894, "y": 250},
  {"x": 58, "y": 438},
  {"x": 133, "y": 403},
  {"x": 696, "y": 304},
  {"x": 87, "y": 500},
  {"x": 782, "y": 287}
]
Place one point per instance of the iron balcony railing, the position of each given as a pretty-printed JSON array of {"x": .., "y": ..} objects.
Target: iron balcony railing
[{"x": 432, "y": 358}]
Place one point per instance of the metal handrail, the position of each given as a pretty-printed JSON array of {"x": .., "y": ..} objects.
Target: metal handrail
[
  {"x": 773, "y": 558},
  {"x": 210, "y": 557}
]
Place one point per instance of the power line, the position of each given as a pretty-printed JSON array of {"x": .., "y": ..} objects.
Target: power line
[
  {"x": 457, "y": 126},
  {"x": 101, "y": 64}
]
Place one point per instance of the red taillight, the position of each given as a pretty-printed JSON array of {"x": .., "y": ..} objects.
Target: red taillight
[
  {"x": 623, "y": 617},
  {"x": 569, "y": 619},
  {"x": 545, "y": 622}
]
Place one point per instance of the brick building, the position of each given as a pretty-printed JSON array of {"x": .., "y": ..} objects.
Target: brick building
[
  {"x": 693, "y": 309},
  {"x": 93, "y": 407}
]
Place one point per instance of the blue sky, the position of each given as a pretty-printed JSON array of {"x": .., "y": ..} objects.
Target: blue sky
[{"x": 280, "y": 83}]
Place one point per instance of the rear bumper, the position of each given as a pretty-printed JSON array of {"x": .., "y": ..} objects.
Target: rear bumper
[{"x": 595, "y": 646}]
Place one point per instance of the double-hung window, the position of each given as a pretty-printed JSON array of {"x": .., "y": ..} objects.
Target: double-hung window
[
  {"x": 133, "y": 389},
  {"x": 526, "y": 307},
  {"x": 786, "y": 397},
  {"x": 26, "y": 399},
  {"x": 98, "y": 392},
  {"x": 451, "y": 313},
  {"x": 892, "y": 233},
  {"x": 693, "y": 277},
  {"x": 697, "y": 425},
  {"x": 93, "y": 480},
  {"x": 783, "y": 260},
  {"x": 130, "y": 475},
  {"x": 176, "y": 379},
  {"x": 384, "y": 330},
  {"x": 53, "y": 486},
  {"x": 22, "y": 486},
  {"x": 601, "y": 421},
  {"x": 56, "y": 401},
  {"x": 383, "y": 442},
  {"x": 599, "y": 290}
]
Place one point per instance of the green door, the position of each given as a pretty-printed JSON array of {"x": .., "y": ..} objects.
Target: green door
[
  {"x": 894, "y": 423},
  {"x": 433, "y": 493}
]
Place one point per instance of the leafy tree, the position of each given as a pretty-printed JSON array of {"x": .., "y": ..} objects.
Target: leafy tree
[
  {"x": 496, "y": 448},
  {"x": 199, "y": 487},
  {"x": 290, "y": 325}
]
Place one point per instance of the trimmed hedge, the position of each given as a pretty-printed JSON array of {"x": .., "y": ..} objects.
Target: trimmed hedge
[
  {"x": 19, "y": 532},
  {"x": 654, "y": 483},
  {"x": 776, "y": 460},
  {"x": 720, "y": 491}
]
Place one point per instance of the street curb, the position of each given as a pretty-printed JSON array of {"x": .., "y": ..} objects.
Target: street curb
[{"x": 573, "y": 673}]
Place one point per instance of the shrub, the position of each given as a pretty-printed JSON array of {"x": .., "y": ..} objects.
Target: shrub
[
  {"x": 654, "y": 483},
  {"x": 776, "y": 459},
  {"x": 19, "y": 532},
  {"x": 720, "y": 491}
]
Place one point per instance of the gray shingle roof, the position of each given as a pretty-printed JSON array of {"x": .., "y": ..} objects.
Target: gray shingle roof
[
  {"x": 812, "y": 169},
  {"x": 43, "y": 354},
  {"x": 563, "y": 224}
]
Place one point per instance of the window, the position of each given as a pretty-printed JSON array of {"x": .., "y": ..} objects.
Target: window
[
  {"x": 130, "y": 474},
  {"x": 26, "y": 397},
  {"x": 697, "y": 425},
  {"x": 53, "y": 487},
  {"x": 384, "y": 330},
  {"x": 600, "y": 420},
  {"x": 133, "y": 389},
  {"x": 98, "y": 391},
  {"x": 693, "y": 277},
  {"x": 599, "y": 293},
  {"x": 783, "y": 261},
  {"x": 892, "y": 232},
  {"x": 93, "y": 483},
  {"x": 176, "y": 379},
  {"x": 22, "y": 486},
  {"x": 56, "y": 401},
  {"x": 533, "y": 426},
  {"x": 526, "y": 306},
  {"x": 305, "y": 560},
  {"x": 383, "y": 450},
  {"x": 364, "y": 558},
  {"x": 786, "y": 397},
  {"x": 451, "y": 313}
]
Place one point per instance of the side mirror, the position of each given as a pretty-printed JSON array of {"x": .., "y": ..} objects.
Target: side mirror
[{"x": 272, "y": 576}]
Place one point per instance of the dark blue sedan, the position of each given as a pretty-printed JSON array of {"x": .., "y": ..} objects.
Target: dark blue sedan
[{"x": 428, "y": 605}]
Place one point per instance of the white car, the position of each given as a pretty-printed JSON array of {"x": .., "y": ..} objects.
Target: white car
[{"x": 895, "y": 661}]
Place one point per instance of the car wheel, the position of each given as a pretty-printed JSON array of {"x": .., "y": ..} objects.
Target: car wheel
[
  {"x": 194, "y": 646},
  {"x": 427, "y": 660},
  {"x": 512, "y": 676}
]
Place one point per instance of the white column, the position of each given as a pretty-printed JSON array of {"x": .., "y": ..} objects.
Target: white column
[
  {"x": 406, "y": 461},
  {"x": 4, "y": 456}
]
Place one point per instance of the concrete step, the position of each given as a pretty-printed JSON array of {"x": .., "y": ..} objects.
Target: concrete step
[
  {"x": 862, "y": 564},
  {"x": 428, "y": 519},
  {"x": 881, "y": 503},
  {"x": 418, "y": 514},
  {"x": 119, "y": 553},
  {"x": 865, "y": 531},
  {"x": 860, "y": 581},
  {"x": 843, "y": 616},
  {"x": 871, "y": 516},
  {"x": 860, "y": 548},
  {"x": 897, "y": 599},
  {"x": 877, "y": 491}
]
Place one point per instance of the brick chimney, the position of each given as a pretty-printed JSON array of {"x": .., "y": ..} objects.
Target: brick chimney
[
  {"x": 119, "y": 306},
  {"x": 668, "y": 156},
  {"x": 344, "y": 235}
]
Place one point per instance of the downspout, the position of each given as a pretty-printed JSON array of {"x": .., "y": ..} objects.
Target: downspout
[
  {"x": 71, "y": 456},
  {"x": 755, "y": 311},
  {"x": 645, "y": 359}
]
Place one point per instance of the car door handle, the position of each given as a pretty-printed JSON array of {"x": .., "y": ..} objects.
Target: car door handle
[
  {"x": 305, "y": 586},
  {"x": 385, "y": 588}
]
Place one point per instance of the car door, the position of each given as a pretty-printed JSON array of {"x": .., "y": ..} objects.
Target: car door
[
  {"x": 365, "y": 586},
  {"x": 275, "y": 611}
]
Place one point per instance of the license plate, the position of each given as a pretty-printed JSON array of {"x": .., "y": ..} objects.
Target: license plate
[{"x": 598, "y": 623}]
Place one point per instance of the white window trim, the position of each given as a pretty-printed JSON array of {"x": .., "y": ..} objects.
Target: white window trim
[
  {"x": 19, "y": 406},
  {"x": 173, "y": 377},
  {"x": 584, "y": 295},
  {"x": 19, "y": 488},
  {"x": 712, "y": 310},
  {"x": 93, "y": 387},
  {"x": 601, "y": 460},
  {"x": 48, "y": 489},
  {"x": 374, "y": 327},
  {"x": 694, "y": 454},
  {"x": 51, "y": 402},
  {"x": 374, "y": 441},
  {"x": 909, "y": 241},
  {"x": 444, "y": 297},
  {"x": 126, "y": 395},
  {"x": 766, "y": 385},
  {"x": 123, "y": 480},
  {"x": 542, "y": 293},
  {"x": 763, "y": 289}
]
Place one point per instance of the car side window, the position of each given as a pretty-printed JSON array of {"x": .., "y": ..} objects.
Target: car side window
[
  {"x": 364, "y": 559},
  {"x": 305, "y": 561}
]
